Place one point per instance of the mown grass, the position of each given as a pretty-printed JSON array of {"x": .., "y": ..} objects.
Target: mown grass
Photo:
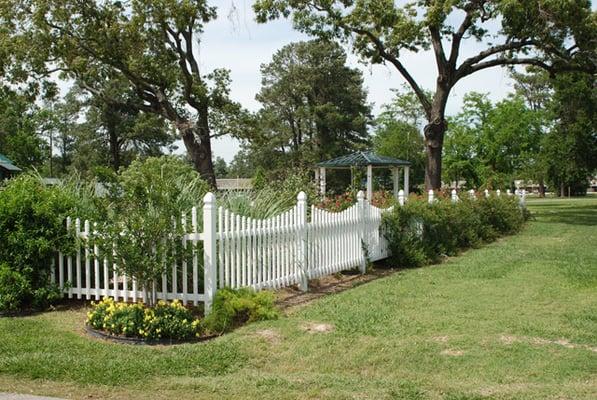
[{"x": 516, "y": 319}]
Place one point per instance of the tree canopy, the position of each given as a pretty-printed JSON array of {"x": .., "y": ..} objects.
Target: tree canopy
[
  {"x": 314, "y": 107},
  {"x": 553, "y": 35},
  {"x": 151, "y": 44}
]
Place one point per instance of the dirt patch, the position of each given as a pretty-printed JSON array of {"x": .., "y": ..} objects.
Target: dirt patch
[
  {"x": 452, "y": 352},
  {"x": 269, "y": 335},
  {"x": 317, "y": 327},
  {"x": 440, "y": 339},
  {"x": 291, "y": 299},
  {"x": 537, "y": 341}
]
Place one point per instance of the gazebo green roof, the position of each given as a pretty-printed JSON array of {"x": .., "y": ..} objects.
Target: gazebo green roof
[
  {"x": 6, "y": 164},
  {"x": 362, "y": 159}
]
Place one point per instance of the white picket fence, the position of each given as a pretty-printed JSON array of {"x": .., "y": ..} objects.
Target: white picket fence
[{"x": 238, "y": 251}]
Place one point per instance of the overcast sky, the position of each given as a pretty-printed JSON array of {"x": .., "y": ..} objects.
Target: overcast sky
[{"x": 235, "y": 41}]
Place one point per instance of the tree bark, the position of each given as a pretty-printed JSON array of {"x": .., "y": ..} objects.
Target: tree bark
[
  {"x": 434, "y": 140},
  {"x": 434, "y": 135},
  {"x": 110, "y": 118},
  {"x": 197, "y": 141}
]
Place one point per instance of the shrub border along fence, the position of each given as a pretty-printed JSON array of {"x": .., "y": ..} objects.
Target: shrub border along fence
[{"x": 239, "y": 251}]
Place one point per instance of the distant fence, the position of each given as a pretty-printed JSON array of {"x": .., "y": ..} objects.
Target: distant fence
[{"x": 237, "y": 251}]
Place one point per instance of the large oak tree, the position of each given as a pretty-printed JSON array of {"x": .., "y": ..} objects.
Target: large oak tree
[
  {"x": 550, "y": 34},
  {"x": 151, "y": 43}
]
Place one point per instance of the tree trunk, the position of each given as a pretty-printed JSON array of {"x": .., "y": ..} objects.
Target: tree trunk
[
  {"x": 434, "y": 141},
  {"x": 434, "y": 134},
  {"x": 198, "y": 144},
  {"x": 111, "y": 117},
  {"x": 541, "y": 188}
]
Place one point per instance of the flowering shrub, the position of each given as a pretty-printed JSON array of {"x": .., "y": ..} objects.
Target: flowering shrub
[
  {"x": 164, "y": 321},
  {"x": 338, "y": 203},
  {"x": 382, "y": 199}
]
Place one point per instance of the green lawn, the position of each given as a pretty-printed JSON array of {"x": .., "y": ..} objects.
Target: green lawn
[{"x": 516, "y": 319}]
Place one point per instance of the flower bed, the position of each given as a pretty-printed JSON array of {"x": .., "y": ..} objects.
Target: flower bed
[{"x": 172, "y": 322}]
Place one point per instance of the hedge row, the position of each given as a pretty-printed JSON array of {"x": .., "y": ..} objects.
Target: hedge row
[{"x": 420, "y": 233}]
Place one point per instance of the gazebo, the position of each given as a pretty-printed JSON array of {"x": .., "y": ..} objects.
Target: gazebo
[{"x": 365, "y": 159}]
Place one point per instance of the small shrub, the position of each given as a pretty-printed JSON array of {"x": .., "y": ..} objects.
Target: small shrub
[
  {"x": 164, "y": 321},
  {"x": 232, "y": 308},
  {"x": 419, "y": 233},
  {"x": 14, "y": 289},
  {"x": 45, "y": 296}
]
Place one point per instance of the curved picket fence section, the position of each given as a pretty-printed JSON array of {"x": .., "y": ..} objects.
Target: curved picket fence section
[{"x": 236, "y": 251}]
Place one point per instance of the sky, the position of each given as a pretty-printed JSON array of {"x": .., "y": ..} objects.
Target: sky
[{"x": 236, "y": 42}]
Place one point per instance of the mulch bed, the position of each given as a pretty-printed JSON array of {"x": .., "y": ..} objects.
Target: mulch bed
[
  {"x": 291, "y": 299},
  {"x": 139, "y": 341}
]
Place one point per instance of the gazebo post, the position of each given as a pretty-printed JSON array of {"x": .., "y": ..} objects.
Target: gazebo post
[
  {"x": 322, "y": 181},
  {"x": 395, "y": 181},
  {"x": 406, "y": 177},
  {"x": 369, "y": 181}
]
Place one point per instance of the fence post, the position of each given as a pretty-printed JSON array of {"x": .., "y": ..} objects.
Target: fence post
[
  {"x": 498, "y": 192},
  {"x": 401, "y": 197},
  {"x": 508, "y": 192},
  {"x": 210, "y": 265},
  {"x": 472, "y": 194},
  {"x": 431, "y": 196},
  {"x": 486, "y": 193},
  {"x": 454, "y": 196},
  {"x": 301, "y": 202},
  {"x": 362, "y": 227},
  {"x": 522, "y": 194}
]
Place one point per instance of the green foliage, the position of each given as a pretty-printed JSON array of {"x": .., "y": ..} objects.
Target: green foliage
[
  {"x": 15, "y": 290},
  {"x": 492, "y": 144},
  {"x": 147, "y": 46},
  {"x": 398, "y": 135},
  {"x": 232, "y": 308},
  {"x": 45, "y": 296},
  {"x": 164, "y": 321},
  {"x": 569, "y": 151},
  {"x": 555, "y": 35},
  {"x": 307, "y": 116},
  {"x": 278, "y": 196},
  {"x": 144, "y": 201},
  {"x": 32, "y": 226},
  {"x": 259, "y": 180},
  {"x": 419, "y": 233},
  {"x": 21, "y": 138}
]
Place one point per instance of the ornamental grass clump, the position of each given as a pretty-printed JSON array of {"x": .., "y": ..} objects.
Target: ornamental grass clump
[{"x": 170, "y": 321}]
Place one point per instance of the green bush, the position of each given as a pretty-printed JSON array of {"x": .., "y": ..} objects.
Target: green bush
[
  {"x": 32, "y": 228},
  {"x": 232, "y": 308},
  {"x": 14, "y": 289},
  {"x": 419, "y": 233},
  {"x": 142, "y": 203},
  {"x": 164, "y": 321}
]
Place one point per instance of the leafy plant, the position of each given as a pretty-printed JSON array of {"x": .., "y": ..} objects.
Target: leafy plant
[
  {"x": 164, "y": 321},
  {"x": 420, "y": 233},
  {"x": 32, "y": 228},
  {"x": 144, "y": 202},
  {"x": 232, "y": 308},
  {"x": 14, "y": 289}
]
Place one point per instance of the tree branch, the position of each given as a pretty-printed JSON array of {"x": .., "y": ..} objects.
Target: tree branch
[
  {"x": 399, "y": 66},
  {"x": 503, "y": 61}
]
